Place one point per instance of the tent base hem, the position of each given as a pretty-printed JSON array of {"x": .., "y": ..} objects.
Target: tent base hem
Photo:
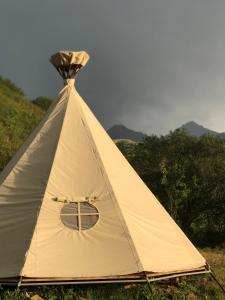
[{"x": 136, "y": 278}]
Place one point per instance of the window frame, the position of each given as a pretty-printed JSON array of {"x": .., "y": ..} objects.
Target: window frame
[{"x": 79, "y": 215}]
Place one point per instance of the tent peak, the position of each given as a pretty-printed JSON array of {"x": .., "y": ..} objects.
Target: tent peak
[{"x": 68, "y": 63}]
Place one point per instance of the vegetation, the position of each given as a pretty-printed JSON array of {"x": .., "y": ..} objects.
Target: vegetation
[
  {"x": 17, "y": 118},
  {"x": 188, "y": 176},
  {"x": 42, "y": 102},
  {"x": 186, "y": 173}
]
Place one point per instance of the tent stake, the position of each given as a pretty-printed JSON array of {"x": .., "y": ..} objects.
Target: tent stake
[{"x": 19, "y": 284}]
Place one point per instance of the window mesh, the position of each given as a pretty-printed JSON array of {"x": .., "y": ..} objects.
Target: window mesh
[
  {"x": 88, "y": 221},
  {"x": 71, "y": 208},
  {"x": 70, "y": 221},
  {"x": 79, "y": 215}
]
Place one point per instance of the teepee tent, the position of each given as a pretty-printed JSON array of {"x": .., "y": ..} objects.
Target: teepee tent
[{"x": 72, "y": 209}]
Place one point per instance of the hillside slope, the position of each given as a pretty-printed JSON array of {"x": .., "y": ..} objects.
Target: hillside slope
[{"x": 18, "y": 117}]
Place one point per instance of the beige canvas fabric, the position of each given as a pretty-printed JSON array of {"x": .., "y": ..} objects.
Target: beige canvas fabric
[
  {"x": 22, "y": 185},
  {"x": 70, "y": 157}
]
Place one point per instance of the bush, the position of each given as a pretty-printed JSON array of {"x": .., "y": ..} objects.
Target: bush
[{"x": 187, "y": 174}]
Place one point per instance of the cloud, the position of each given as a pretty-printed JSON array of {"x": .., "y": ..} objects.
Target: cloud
[{"x": 154, "y": 64}]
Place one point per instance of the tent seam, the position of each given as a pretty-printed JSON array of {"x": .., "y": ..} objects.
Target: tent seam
[{"x": 112, "y": 195}]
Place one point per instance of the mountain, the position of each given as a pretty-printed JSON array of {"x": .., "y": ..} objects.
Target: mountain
[
  {"x": 118, "y": 132},
  {"x": 195, "y": 129},
  {"x": 18, "y": 116}
]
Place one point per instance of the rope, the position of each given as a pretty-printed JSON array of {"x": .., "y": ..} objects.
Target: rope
[
  {"x": 217, "y": 281},
  {"x": 148, "y": 282}
]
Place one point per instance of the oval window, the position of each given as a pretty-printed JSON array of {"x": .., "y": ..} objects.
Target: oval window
[{"x": 79, "y": 215}]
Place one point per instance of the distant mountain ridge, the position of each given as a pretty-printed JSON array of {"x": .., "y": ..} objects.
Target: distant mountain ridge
[
  {"x": 121, "y": 132},
  {"x": 118, "y": 132},
  {"x": 197, "y": 130}
]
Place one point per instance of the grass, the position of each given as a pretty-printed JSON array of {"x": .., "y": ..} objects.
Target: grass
[
  {"x": 18, "y": 117},
  {"x": 190, "y": 288},
  {"x": 216, "y": 259}
]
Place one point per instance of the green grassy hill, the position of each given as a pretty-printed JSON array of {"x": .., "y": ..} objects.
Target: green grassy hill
[{"x": 18, "y": 117}]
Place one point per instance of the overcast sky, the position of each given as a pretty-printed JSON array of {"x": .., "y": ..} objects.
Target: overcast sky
[{"x": 155, "y": 64}]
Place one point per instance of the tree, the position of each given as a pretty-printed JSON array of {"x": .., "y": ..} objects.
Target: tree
[
  {"x": 42, "y": 102},
  {"x": 187, "y": 174}
]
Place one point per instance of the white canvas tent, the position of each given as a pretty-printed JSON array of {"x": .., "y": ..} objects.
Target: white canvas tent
[{"x": 72, "y": 209}]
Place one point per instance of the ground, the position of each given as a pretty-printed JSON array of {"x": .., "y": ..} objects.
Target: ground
[{"x": 190, "y": 288}]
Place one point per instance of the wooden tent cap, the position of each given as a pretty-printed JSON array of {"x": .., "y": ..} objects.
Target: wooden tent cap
[{"x": 68, "y": 63}]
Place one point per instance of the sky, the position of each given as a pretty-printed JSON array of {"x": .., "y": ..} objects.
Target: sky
[{"x": 154, "y": 64}]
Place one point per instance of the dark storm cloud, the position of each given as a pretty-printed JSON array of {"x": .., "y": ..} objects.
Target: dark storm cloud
[{"x": 154, "y": 64}]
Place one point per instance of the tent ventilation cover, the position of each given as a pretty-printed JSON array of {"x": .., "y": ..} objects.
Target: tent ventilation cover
[{"x": 69, "y": 63}]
